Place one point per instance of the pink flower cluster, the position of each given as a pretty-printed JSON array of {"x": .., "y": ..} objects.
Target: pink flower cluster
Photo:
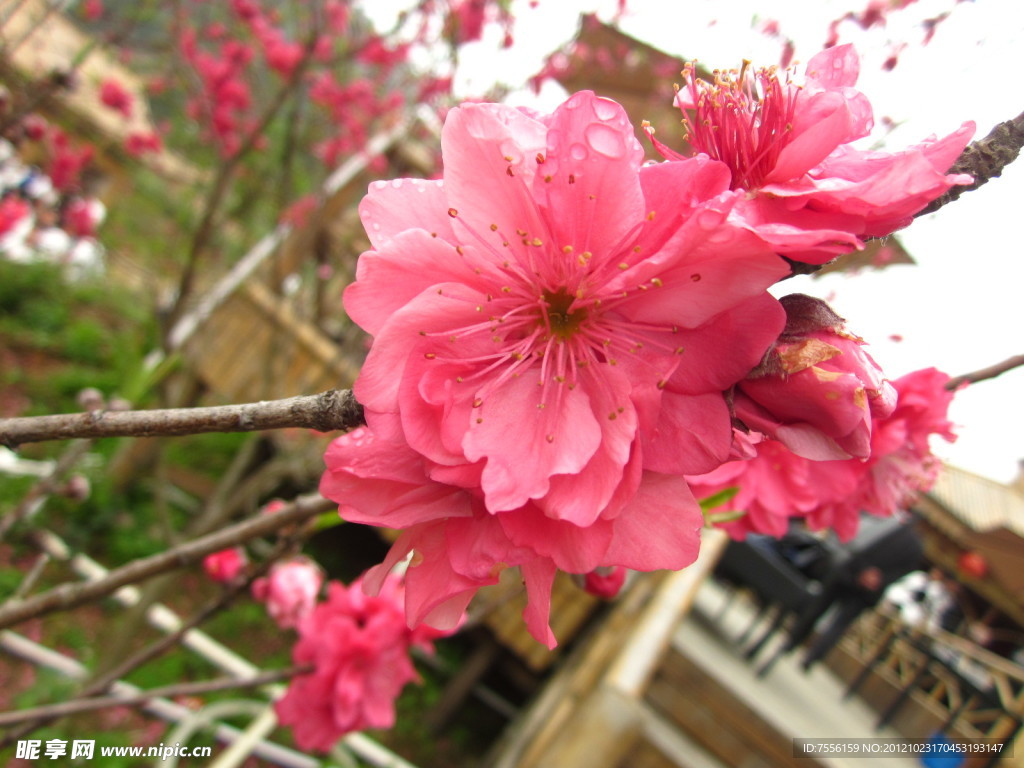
[
  {"x": 777, "y": 484},
  {"x": 359, "y": 648},
  {"x": 563, "y": 334}
]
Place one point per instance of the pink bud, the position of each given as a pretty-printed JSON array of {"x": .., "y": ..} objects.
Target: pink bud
[
  {"x": 77, "y": 488},
  {"x": 90, "y": 399},
  {"x": 817, "y": 389},
  {"x": 224, "y": 566}
]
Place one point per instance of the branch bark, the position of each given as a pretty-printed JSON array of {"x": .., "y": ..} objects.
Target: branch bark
[
  {"x": 333, "y": 410},
  {"x": 75, "y": 706},
  {"x": 986, "y": 373},
  {"x": 68, "y": 596}
]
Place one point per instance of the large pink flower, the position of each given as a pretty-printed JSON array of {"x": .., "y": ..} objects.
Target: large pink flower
[
  {"x": 459, "y": 546},
  {"x": 551, "y": 317},
  {"x": 359, "y": 649},
  {"x": 809, "y": 193},
  {"x": 817, "y": 390}
]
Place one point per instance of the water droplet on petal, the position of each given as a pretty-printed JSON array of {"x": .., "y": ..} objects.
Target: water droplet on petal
[
  {"x": 605, "y": 140},
  {"x": 396, "y": 183},
  {"x": 605, "y": 109},
  {"x": 578, "y": 152},
  {"x": 708, "y": 219},
  {"x": 380, "y": 184}
]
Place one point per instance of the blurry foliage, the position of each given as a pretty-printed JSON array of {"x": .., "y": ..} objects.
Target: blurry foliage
[{"x": 61, "y": 337}]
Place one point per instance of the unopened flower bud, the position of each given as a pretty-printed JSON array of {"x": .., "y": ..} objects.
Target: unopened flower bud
[
  {"x": 817, "y": 389},
  {"x": 225, "y": 565},
  {"x": 90, "y": 399},
  {"x": 77, "y": 488},
  {"x": 118, "y": 404}
]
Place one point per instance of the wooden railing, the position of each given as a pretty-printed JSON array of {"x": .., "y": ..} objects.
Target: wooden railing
[{"x": 973, "y": 692}]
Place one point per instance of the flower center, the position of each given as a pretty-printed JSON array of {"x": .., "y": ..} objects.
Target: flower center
[
  {"x": 562, "y": 319},
  {"x": 743, "y": 119}
]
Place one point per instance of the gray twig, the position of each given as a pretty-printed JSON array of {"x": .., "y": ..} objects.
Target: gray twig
[
  {"x": 166, "y": 692},
  {"x": 986, "y": 373},
  {"x": 68, "y": 596},
  {"x": 333, "y": 410}
]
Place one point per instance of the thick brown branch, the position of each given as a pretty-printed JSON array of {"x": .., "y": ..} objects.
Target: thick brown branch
[
  {"x": 68, "y": 596},
  {"x": 166, "y": 692},
  {"x": 333, "y": 410},
  {"x": 986, "y": 373}
]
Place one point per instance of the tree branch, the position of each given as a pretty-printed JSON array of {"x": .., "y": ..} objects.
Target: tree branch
[
  {"x": 101, "y": 684},
  {"x": 986, "y": 373},
  {"x": 75, "y": 706},
  {"x": 68, "y": 596},
  {"x": 333, "y": 410}
]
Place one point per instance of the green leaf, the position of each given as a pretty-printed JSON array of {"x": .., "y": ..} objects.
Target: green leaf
[
  {"x": 718, "y": 499},
  {"x": 327, "y": 520},
  {"x": 718, "y": 518}
]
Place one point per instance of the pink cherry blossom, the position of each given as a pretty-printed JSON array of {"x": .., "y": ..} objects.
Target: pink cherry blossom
[
  {"x": 902, "y": 463},
  {"x": 289, "y": 591},
  {"x": 817, "y": 391},
  {"x": 12, "y": 210},
  {"x": 551, "y": 319},
  {"x": 224, "y": 566},
  {"x": 116, "y": 96},
  {"x": 140, "y": 143},
  {"x": 359, "y": 649},
  {"x": 458, "y": 546},
  {"x": 809, "y": 193},
  {"x": 777, "y": 485}
]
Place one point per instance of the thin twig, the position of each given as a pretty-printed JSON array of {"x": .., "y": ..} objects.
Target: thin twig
[
  {"x": 333, "y": 410},
  {"x": 986, "y": 373},
  {"x": 109, "y": 678},
  {"x": 39, "y": 492},
  {"x": 167, "y": 692},
  {"x": 68, "y": 596},
  {"x": 41, "y": 561}
]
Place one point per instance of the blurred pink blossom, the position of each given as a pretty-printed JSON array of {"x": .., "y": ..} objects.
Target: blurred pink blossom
[
  {"x": 290, "y": 590},
  {"x": 225, "y": 565},
  {"x": 359, "y": 648}
]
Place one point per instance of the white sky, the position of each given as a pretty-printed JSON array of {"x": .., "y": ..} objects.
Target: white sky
[{"x": 960, "y": 309}]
